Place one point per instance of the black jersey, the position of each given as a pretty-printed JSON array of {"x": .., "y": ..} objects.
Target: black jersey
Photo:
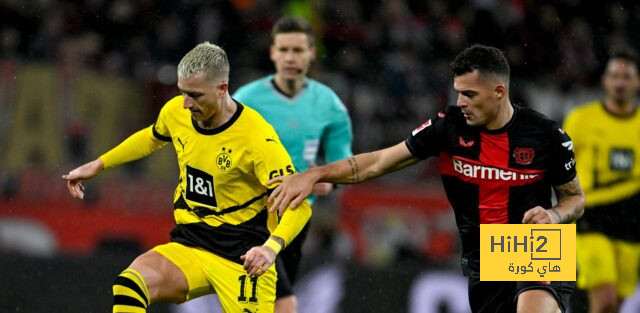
[{"x": 495, "y": 176}]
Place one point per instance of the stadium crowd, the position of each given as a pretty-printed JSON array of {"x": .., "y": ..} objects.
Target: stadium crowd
[{"x": 386, "y": 59}]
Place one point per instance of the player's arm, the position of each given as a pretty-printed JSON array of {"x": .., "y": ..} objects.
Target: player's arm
[
  {"x": 569, "y": 208},
  {"x": 571, "y": 202},
  {"x": 294, "y": 189},
  {"x": 135, "y": 147},
  {"x": 291, "y": 223},
  {"x": 258, "y": 259},
  {"x": 566, "y": 185},
  {"x": 272, "y": 157}
]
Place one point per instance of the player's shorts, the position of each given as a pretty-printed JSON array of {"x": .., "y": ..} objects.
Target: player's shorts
[
  {"x": 603, "y": 260},
  {"x": 288, "y": 263},
  {"x": 502, "y": 296},
  {"x": 207, "y": 273}
]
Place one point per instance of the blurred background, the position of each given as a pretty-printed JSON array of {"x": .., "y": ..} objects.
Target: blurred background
[{"x": 77, "y": 77}]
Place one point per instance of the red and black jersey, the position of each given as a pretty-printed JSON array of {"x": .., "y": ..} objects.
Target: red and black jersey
[{"x": 495, "y": 176}]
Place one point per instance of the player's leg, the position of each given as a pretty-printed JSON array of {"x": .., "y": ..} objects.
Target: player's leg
[
  {"x": 236, "y": 290},
  {"x": 165, "y": 273},
  {"x": 491, "y": 296},
  {"x": 150, "y": 278},
  {"x": 286, "y": 301},
  {"x": 544, "y": 297},
  {"x": 628, "y": 262},
  {"x": 537, "y": 301},
  {"x": 603, "y": 299},
  {"x": 289, "y": 259},
  {"x": 597, "y": 272}
]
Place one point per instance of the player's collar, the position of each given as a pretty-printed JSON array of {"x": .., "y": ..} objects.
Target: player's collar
[
  {"x": 506, "y": 126},
  {"x": 221, "y": 128}
]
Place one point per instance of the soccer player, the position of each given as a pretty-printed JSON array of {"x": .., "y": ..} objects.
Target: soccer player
[
  {"x": 225, "y": 241},
  {"x": 606, "y": 137},
  {"x": 498, "y": 164},
  {"x": 307, "y": 115}
]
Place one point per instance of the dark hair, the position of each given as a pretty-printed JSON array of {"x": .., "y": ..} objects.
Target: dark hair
[
  {"x": 293, "y": 24},
  {"x": 625, "y": 53},
  {"x": 487, "y": 60}
]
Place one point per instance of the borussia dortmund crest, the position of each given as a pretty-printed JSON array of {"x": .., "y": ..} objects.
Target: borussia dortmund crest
[{"x": 223, "y": 160}]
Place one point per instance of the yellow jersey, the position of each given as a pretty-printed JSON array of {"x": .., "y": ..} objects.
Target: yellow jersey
[
  {"x": 220, "y": 201},
  {"x": 607, "y": 149}
]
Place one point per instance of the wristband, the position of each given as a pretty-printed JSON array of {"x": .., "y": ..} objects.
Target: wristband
[{"x": 274, "y": 245}]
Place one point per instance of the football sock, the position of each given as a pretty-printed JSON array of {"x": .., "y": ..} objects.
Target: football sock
[{"x": 130, "y": 293}]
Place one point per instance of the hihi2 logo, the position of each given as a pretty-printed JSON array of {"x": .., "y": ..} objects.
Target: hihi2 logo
[{"x": 527, "y": 252}]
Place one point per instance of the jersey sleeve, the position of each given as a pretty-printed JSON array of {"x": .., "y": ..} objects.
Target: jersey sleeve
[
  {"x": 140, "y": 144},
  {"x": 137, "y": 146},
  {"x": 337, "y": 138},
  {"x": 160, "y": 128},
  {"x": 426, "y": 139},
  {"x": 563, "y": 164},
  {"x": 271, "y": 161},
  {"x": 292, "y": 222}
]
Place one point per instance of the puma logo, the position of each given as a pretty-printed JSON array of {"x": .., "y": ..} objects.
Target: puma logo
[
  {"x": 181, "y": 143},
  {"x": 270, "y": 139}
]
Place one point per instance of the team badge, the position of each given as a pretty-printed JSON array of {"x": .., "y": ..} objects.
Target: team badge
[
  {"x": 223, "y": 160},
  {"x": 523, "y": 155}
]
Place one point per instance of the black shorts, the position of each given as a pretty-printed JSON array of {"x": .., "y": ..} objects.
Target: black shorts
[
  {"x": 288, "y": 263},
  {"x": 502, "y": 296}
]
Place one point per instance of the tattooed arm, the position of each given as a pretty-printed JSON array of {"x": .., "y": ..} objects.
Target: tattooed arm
[
  {"x": 369, "y": 165},
  {"x": 294, "y": 189},
  {"x": 569, "y": 208},
  {"x": 571, "y": 201}
]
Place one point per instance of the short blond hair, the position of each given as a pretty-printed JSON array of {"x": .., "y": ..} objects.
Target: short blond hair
[{"x": 205, "y": 58}]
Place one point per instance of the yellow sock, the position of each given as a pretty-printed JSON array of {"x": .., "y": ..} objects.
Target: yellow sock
[{"x": 130, "y": 293}]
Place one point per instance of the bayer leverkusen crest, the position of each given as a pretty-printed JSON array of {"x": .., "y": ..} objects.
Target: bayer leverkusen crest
[{"x": 523, "y": 155}]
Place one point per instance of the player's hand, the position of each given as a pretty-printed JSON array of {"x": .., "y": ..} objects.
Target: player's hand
[
  {"x": 258, "y": 260},
  {"x": 322, "y": 189},
  {"x": 539, "y": 215},
  {"x": 75, "y": 177},
  {"x": 291, "y": 191}
]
